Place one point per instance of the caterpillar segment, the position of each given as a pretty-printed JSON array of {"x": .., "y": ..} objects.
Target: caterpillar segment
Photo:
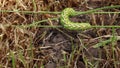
[{"x": 66, "y": 23}]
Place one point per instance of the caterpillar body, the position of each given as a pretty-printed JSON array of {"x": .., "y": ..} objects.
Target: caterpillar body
[{"x": 66, "y": 23}]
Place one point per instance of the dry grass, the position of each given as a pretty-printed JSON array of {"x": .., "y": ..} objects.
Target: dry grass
[{"x": 21, "y": 47}]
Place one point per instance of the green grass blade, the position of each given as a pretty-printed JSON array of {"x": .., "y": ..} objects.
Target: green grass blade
[
  {"x": 13, "y": 59},
  {"x": 103, "y": 43}
]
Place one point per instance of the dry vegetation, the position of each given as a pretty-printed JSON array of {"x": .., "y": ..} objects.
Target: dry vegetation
[{"x": 35, "y": 47}]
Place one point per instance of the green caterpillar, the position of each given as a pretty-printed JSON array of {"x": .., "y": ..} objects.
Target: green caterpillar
[{"x": 66, "y": 23}]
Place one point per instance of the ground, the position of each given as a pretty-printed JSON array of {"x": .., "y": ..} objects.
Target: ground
[{"x": 25, "y": 45}]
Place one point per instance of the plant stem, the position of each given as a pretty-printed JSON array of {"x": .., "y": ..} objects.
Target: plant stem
[
  {"x": 77, "y": 12},
  {"x": 106, "y": 12},
  {"x": 111, "y": 26},
  {"x": 94, "y": 10},
  {"x": 91, "y": 26},
  {"x": 49, "y": 26},
  {"x": 30, "y": 12},
  {"x": 38, "y": 22}
]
